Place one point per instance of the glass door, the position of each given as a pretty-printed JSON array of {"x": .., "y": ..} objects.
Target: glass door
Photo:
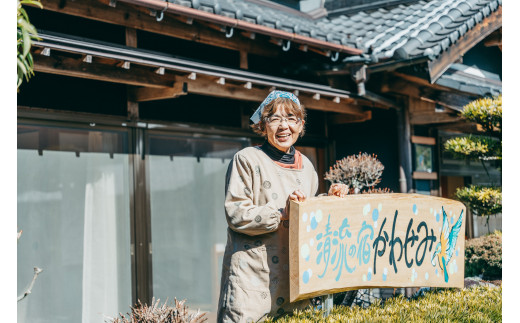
[
  {"x": 186, "y": 178},
  {"x": 74, "y": 213}
]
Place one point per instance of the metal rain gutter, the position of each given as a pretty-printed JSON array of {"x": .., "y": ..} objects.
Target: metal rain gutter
[
  {"x": 164, "y": 6},
  {"x": 141, "y": 57}
]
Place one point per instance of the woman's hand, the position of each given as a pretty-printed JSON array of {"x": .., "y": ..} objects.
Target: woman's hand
[
  {"x": 337, "y": 189},
  {"x": 297, "y": 196}
]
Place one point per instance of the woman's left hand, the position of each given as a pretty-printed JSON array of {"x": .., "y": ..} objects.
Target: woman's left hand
[
  {"x": 338, "y": 189},
  {"x": 297, "y": 196}
]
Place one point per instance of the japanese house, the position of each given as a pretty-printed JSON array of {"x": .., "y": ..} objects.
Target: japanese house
[{"x": 137, "y": 106}]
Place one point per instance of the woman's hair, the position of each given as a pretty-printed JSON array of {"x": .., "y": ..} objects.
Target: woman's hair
[{"x": 289, "y": 106}]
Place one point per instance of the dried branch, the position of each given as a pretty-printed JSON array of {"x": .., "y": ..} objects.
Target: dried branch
[
  {"x": 160, "y": 314},
  {"x": 37, "y": 271},
  {"x": 356, "y": 171}
]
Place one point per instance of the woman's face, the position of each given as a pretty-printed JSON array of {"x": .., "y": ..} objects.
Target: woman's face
[{"x": 283, "y": 135}]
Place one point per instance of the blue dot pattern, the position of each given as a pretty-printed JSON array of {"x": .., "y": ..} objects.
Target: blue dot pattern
[
  {"x": 314, "y": 223},
  {"x": 375, "y": 214},
  {"x": 305, "y": 277}
]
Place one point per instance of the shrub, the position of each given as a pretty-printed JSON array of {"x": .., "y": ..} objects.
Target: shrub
[
  {"x": 160, "y": 314},
  {"x": 479, "y": 304},
  {"x": 481, "y": 199},
  {"x": 484, "y": 257},
  {"x": 357, "y": 172}
]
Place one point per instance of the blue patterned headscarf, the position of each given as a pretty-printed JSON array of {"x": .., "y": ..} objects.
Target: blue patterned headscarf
[{"x": 273, "y": 95}]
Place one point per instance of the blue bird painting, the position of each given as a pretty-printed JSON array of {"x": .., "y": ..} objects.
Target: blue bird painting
[{"x": 444, "y": 249}]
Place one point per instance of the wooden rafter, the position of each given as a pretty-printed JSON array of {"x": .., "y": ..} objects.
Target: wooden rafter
[
  {"x": 143, "y": 94},
  {"x": 155, "y": 86},
  {"x": 130, "y": 16},
  {"x": 495, "y": 39},
  {"x": 136, "y": 75},
  {"x": 465, "y": 43},
  {"x": 419, "y": 88}
]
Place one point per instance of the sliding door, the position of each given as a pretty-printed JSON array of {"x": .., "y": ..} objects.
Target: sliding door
[{"x": 74, "y": 213}]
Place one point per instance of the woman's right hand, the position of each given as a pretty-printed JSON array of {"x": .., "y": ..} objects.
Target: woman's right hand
[
  {"x": 338, "y": 189},
  {"x": 297, "y": 196}
]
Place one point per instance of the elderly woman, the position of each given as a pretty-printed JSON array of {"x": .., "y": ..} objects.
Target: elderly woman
[{"x": 259, "y": 184}]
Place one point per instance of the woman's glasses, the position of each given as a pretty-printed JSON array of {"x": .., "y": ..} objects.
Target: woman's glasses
[{"x": 276, "y": 120}]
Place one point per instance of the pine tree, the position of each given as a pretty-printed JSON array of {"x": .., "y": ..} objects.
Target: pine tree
[{"x": 487, "y": 113}]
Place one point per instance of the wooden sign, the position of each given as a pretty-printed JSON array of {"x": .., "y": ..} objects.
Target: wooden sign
[{"x": 375, "y": 240}]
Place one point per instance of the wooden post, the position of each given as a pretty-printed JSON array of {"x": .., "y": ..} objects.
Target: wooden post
[
  {"x": 243, "y": 60},
  {"x": 405, "y": 150},
  {"x": 328, "y": 303}
]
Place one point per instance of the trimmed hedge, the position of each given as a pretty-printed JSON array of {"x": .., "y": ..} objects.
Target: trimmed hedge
[
  {"x": 483, "y": 256},
  {"x": 479, "y": 304}
]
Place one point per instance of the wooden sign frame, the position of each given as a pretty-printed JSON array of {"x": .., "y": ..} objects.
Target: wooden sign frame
[{"x": 375, "y": 240}]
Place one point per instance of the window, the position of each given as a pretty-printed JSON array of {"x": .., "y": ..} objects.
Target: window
[
  {"x": 73, "y": 208},
  {"x": 189, "y": 228}
]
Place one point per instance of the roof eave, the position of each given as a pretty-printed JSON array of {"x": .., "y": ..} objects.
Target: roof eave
[{"x": 164, "y": 6}]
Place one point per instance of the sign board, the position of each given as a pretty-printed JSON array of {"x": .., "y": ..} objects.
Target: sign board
[{"x": 375, "y": 240}]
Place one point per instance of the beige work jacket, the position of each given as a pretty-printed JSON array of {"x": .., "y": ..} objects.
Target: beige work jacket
[{"x": 255, "y": 270}]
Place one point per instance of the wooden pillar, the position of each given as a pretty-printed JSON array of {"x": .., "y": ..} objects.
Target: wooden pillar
[
  {"x": 405, "y": 150},
  {"x": 405, "y": 157}
]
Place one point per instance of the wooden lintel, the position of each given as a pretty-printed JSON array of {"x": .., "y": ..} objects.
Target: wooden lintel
[
  {"x": 144, "y": 94},
  {"x": 208, "y": 86},
  {"x": 425, "y": 175},
  {"x": 432, "y": 118},
  {"x": 468, "y": 41},
  {"x": 129, "y": 16},
  {"x": 423, "y": 140},
  {"x": 137, "y": 75}
]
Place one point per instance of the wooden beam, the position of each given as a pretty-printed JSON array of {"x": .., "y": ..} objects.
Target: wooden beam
[
  {"x": 494, "y": 39},
  {"x": 144, "y": 94},
  {"x": 147, "y": 77},
  {"x": 432, "y": 118},
  {"x": 424, "y": 175},
  {"x": 129, "y": 16},
  {"x": 418, "y": 88},
  {"x": 423, "y": 140},
  {"x": 207, "y": 86},
  {"x": 465, "y": 43},
  {"x": 137, "y": 75}
]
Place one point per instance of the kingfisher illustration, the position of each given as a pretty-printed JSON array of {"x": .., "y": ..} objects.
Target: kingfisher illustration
[{"x": 444, "y": 249}]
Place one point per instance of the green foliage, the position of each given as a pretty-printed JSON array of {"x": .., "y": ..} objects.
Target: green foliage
[
  {"x": 156, "y": 313},
  {"x": 479, "y": 304},
  {"x": 26, "y": 33},
  {"x": 487, "y": 112},
  {"x": 484, "y": 257},
  {"x": 474, "y": 147},
  {"x": 483, "y": 200}
]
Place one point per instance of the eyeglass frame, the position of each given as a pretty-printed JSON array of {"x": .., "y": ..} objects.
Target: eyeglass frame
[{"x": 268, "y": 121}]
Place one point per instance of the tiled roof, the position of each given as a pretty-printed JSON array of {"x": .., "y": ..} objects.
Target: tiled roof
[
  {"x": 272, "y": 16},
  {"x": 413, "y": 29},
  {"x": 404, "y": 31},
  {"x": 470, "y": 79}
]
